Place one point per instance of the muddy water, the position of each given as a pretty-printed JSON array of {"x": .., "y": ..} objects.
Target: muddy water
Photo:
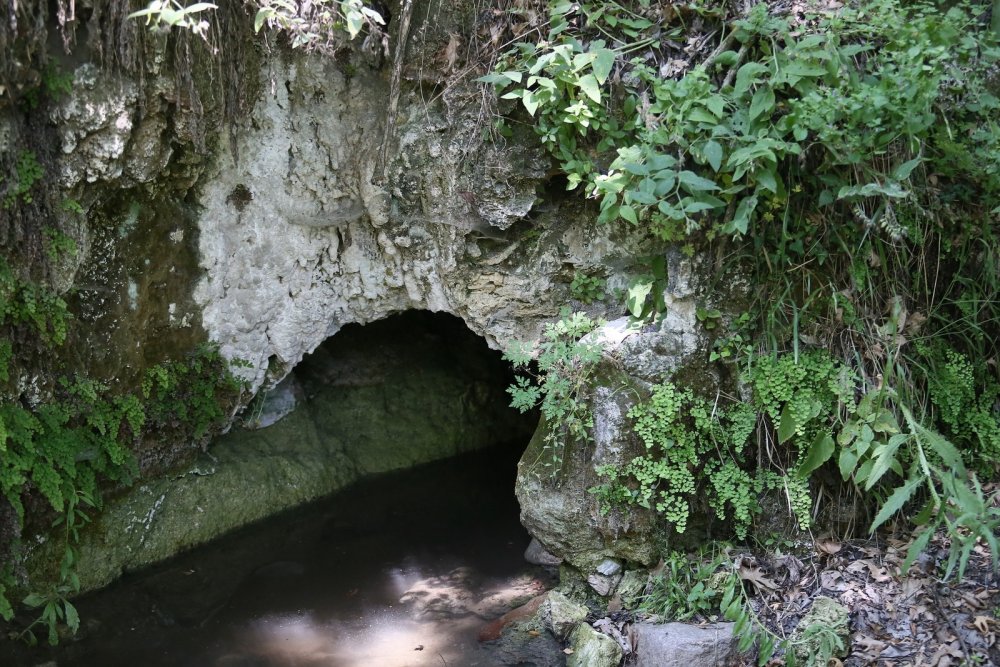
[{"x": 400, "y": 570}]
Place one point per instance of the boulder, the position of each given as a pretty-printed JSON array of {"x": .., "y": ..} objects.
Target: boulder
[
  {"x": 561, "y": 614},
  {"x": 562, "y": 512},
  {"x": 275, "y": 404},
  {"x": 592, "y": 648},
  {"x": 683, "y": 645}
]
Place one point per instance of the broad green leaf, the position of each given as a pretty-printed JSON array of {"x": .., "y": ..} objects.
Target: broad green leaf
[
  {"x": 665, "y": 181},
  {"x": 530, "y": 101},
  {"x": 788, "y": 425},
  {"x": 727, "y": 58},
  {"x": 636, "y": 168},
  {"x": 628, "y": 213},
  {"x": 713, "y": 154},
  {"x": 589, "y": 85},
  {"x": 716, "y": 104},
  {"x": 72, "y": 617},
  {"x": 638, "y": 291},
  {"x": 638, "y": 197},
  {"x": 696, "y": 184},
  {"x": 747, "y": 76},
  {"x": 6, "y": 610},
  {"x": 895, "y": 501},
  {"x": 848, "y": 461},
  {"x": 864, "y": 471},
  {"x": 762, "y": 103},
  {"x": 903, "y": 171},
  {"x": 660, "y": 161},
  {"x": 581, "y": 60},
  {"x": 669, "y": 210},
  {"x": 820, "y": 451},
  {"x": 265, "y": 13},
  {"x": 702, "y": 115},
  {"x": 694, "y": 206},
  {"x": 34, "y": 600},
  {"x": 767, "y": 179},
  {"x": 950, "y": 456},
  {"x": 885, "y": 422},
  {"x": 766, "y": 649},
  {"x": 884, "y": 457},
  {"x": 916, "y": 548},
  {"x": 741, "y": 219},
  {"x": 603, "y": 64}
]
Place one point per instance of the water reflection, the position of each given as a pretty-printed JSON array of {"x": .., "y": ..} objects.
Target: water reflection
[{"x": 402, "y": 571}]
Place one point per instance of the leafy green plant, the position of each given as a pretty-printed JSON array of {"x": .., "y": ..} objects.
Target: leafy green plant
[
  {"x": 55, "y": 83},
  {"x": 314, "y": 26},
  {"x": 644, "y": 296},
  {"x": 565, "y": 361},
  {"x": 58, "y": 244},
  {"x": 687, "y": 587},
  {"x": 55, "y": 606},
  {"x": 64, "y": 448},
  {"x": 789, "y": 113},
  {"x": 162, "y": 15},
  {"x": 31, "y": 304},
  {"x": 691, "y": 444},
  {"x": 191, "y": 395},
  {"x": 586, "y": 288},
  {"x": 28, "y": 173}
]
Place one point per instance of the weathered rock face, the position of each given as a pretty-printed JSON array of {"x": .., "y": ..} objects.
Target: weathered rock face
[
  {"x": 559, "y": 510},
  {"x": 296, "y": 241}
]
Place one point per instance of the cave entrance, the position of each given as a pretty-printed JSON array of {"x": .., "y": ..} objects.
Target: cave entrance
[
  {"x": 412, "y": 388},
  {"x": 404, "y": 565}
]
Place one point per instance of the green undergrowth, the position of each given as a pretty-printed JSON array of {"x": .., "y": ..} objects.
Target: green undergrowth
[
  {"x": 60, "y": 446},
  {"x": 82, "y": 438},
  {"x": 845, "y": 163},
  {"x": 710, "y": 585},
  {"x": 558, "y": 373}
]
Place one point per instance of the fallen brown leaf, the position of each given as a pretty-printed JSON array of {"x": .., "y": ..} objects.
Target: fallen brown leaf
[{"x": 828, "y": 545}]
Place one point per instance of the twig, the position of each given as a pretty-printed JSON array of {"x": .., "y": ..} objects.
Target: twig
[
  {"x": 740, "y": 56},
  {"x": 723, "y": 47},
  {"x": 951, "y": 624},
  {"x": 394, "y": 84}
]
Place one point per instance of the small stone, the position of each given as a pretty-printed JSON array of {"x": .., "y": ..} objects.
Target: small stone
[
  {"x": 276, "y": 404},
  {"x": 683, "y": 645},
  {"x": 603, "y": 585},
  {"x": 609, "y": 568},
  {"x": 560, "y": 614},
  {"x": 592, "y": 649},
  {"x": 536, "y": 554},
  {"x": 632, "y": 587}
]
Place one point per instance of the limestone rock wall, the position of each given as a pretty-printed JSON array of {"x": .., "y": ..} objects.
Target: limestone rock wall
[{"x": 268, "y": 230}]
